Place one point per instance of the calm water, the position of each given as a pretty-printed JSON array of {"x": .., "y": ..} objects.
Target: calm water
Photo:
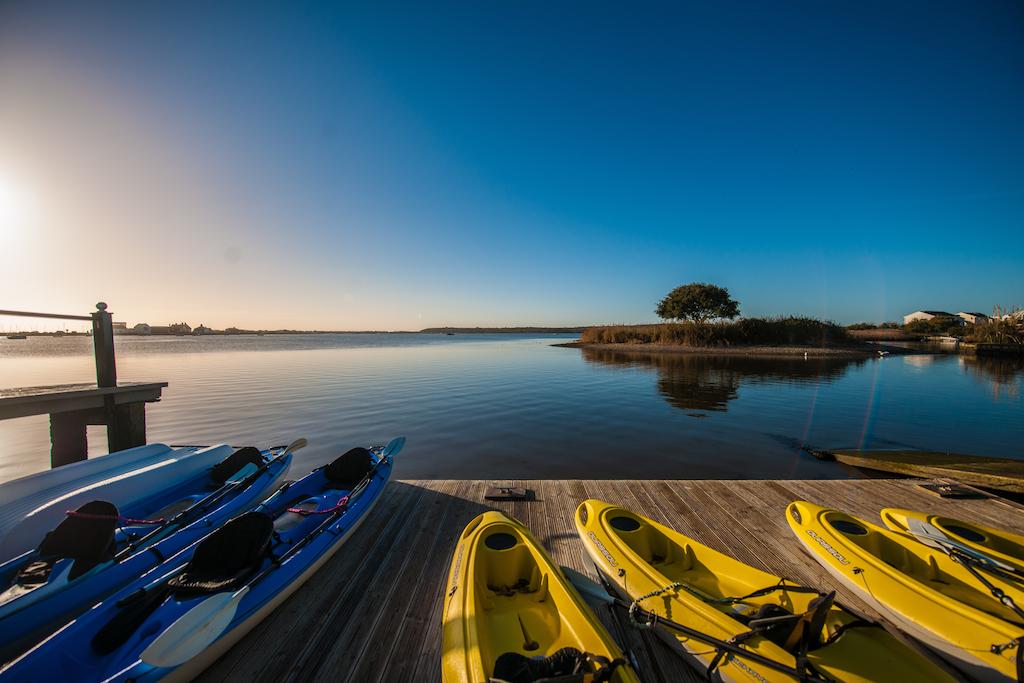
[{"x": 511, "y": 406}]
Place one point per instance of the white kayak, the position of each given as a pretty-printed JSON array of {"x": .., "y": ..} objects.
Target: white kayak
[{"x": 32, "y": 505}]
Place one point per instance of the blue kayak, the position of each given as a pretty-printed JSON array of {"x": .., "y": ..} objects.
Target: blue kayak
[
  {"x": 180, "y": 617},
  {"x": 98, "y": 549},
  {"x": 33, "y": 505}
]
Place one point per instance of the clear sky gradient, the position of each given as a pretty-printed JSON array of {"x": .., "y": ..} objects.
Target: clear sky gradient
[{"x": 383, "y": 166}]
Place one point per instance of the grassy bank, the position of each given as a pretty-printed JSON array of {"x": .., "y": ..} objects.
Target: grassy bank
[
  {"x": 747, "y": 332},
  {"x": 882, "y": 334}
]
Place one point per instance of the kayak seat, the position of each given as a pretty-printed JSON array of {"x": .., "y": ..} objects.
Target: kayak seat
[
  {"x": 86, "y": 536},
  {"x": 350, "y": 468},
  {"x": 777, "y": 632},
  {"x": 565, "y": 666},
  {"x": 230, "y": 465},
  {"x": 225, "y": 558},
  {"x": 792, "y": 632}
]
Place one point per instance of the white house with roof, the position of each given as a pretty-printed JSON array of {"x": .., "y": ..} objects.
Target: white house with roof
[
  {"x": 925, "y": 315},
  {"x": 973, "y": 317}
]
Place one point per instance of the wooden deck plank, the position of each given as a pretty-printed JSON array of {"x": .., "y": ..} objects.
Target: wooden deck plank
[
  {"x": 420, "y": 631},
  {"x": 362, "y": 630},
  {"x": 302, "y": 618},
  {"x": 373, "y": 613},
  {"x": 408, "y": 592}
]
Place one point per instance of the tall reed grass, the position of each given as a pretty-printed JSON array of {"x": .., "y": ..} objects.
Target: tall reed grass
[{"x": 788, "y": 331}]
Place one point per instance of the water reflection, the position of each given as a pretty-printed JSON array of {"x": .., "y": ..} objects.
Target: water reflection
[
  {"x": 1005, "y": 374},
  {"x": 709, "y": 383}
]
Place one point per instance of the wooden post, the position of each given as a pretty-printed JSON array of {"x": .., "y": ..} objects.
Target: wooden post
[
  {"x": 103, "y": 345},
  {"x": 128, "y": 428},
  {"x": 68, "y": 441}
]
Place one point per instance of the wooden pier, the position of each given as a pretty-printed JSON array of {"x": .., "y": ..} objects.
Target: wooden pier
[
  {"x": 373, "y": 613},
  {"x": 73, "y": 407}
]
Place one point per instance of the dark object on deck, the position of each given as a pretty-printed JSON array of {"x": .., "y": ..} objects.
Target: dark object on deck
[
  {"x": 1001, "y": 474},
  {"x": 954, "y": 491},
  {"x": 509, "y": 493}
]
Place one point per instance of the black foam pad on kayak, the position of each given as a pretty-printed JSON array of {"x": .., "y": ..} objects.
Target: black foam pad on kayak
[
  {"x": 512, "y": 667},
  {"x": 87, "y": 539},
  {"x": 349, "y": 468},
  {"x": 230, "y": 465},
  {"x": 225, "y": 558}
]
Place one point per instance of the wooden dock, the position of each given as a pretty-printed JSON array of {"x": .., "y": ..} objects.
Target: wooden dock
[
  {"x": 72, "y": 407},
  {"x": 373, "y": 612}
]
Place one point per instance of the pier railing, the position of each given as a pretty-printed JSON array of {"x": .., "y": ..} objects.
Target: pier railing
[{"x": 102, "y": 339}]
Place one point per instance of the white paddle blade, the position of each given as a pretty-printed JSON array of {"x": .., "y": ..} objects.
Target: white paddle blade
[
  {"x": 194, "y": 631},
  {"x": 933, "y": 536},
  {"x": 927, "y": 533},
  {"x": 393, "y": 447},
  {"x": 295, "y": 445},
  {"x": 587, "y": 586}
]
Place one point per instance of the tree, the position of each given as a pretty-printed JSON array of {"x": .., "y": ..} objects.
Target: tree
[{"x": 699, "y": 302}]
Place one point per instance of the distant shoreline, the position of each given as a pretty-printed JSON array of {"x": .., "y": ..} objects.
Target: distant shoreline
[
  {"x": 815, "y": 351},
  {"x": 261, "y": 333}
]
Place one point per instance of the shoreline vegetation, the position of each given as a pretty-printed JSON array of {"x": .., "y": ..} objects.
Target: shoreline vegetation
[
  {"x": 787, "y": 336},
  {"x": 767, "y": 350}
]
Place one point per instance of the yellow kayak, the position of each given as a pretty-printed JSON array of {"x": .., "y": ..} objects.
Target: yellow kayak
[
  {"x": 679, "y": 579},
  {"x": 509, "y": 613},
  {"x": 1001, "y": 545},
  {"x": 920, "y": 588}
]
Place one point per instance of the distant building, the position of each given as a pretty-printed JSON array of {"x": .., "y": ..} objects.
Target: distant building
[
  {"x": 120, "y": 328},
  {"x": 925, "y": 315},
  {"x": 973, "y": 318},
  {"x": 143, "y": 328},
  {"x": 180, "y": 328},
  {"x": 201, "y": 329}
]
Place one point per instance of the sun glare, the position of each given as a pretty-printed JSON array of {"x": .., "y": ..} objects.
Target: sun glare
[{"x": 17, "y": 210}]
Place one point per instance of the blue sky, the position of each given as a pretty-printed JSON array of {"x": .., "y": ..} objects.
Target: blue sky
[{"x": 395, "y": 166}]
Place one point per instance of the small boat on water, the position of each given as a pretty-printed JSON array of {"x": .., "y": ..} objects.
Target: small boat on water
[
  {"x": 177, "y": 619},
  {"x": 16, "y": 336}
]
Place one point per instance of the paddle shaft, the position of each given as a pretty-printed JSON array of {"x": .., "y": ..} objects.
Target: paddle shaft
[
  {"x": 359, "y": 488},
  {"x": 970, "y": 559},
  {"x": 605, "y": 593},
  {"x": 202, "y": 504},
  {"x": 721, "y": 644}
]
